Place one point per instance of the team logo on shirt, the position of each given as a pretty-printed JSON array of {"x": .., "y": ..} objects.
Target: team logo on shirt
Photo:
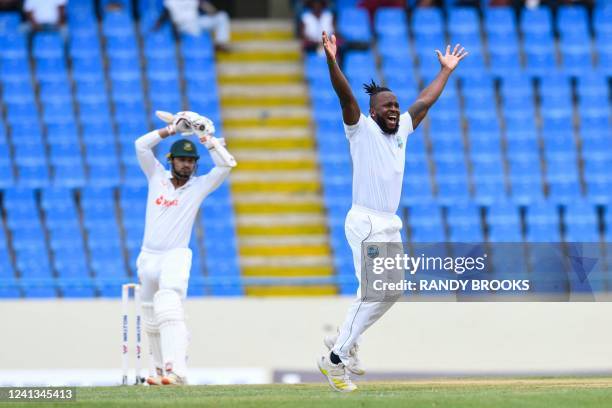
[
  {"x": 372, "y": 251},
  {"x": 400, "y": 143},
  {"x": 163, "y": 202}
]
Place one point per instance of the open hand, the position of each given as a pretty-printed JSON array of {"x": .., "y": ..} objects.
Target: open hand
[
  {"x": 451, "y": 60},
  {"x": 330, "y": 47}
]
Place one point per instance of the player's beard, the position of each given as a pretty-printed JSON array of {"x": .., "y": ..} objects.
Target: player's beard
[
  {"x": 184, "y": 175},
  {"x": 383, "y": 126}
]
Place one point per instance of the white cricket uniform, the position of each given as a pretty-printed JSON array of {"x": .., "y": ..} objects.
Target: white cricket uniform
[
  {"x": 164, "y": 262},
  {"x": 170, "y": 216},
  {"x": 378, "y": 171}
]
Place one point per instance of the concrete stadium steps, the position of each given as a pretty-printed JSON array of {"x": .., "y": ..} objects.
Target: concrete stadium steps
[
  {"x": 260, "y": 74},
  {"x": 276, "y": 187}
]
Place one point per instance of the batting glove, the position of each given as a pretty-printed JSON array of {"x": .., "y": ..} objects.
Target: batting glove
[
  {"x": 203, "y": 127},
  {"x": 183, "y": 122}
]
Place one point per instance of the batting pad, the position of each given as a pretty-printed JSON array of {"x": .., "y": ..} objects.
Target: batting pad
[{"x": 168, "y": 307}]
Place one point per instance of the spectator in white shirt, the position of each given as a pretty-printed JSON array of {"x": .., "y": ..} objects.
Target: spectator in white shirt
[
  {"x": 45, "y": 14},
  {"x": 194, "y": 16},
  {"x": 315, "y": 19}
]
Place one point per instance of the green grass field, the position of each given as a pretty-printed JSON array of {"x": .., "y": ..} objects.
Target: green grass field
[{"x": 455, "y": 393}]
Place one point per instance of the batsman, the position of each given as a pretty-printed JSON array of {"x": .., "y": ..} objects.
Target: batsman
[{"x": 173, "y": 199}]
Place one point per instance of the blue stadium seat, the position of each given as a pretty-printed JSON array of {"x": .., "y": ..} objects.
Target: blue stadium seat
[
  {"x": 563, "y": 180},
  {"x": 525, "y": 179},
  {"x": 38, "y": 288},
  {"x": 354, "y": 25},
  {"x": 15, "y": 70},
  {"x": 539, "y": 52},
  {"x": 33, "y": 176},
  {"x": 86, "y": 46},
  {"x": 572, "y": 19},
  {"x": 87, "y": 69},
  {"x": 592, "y": 84},
  {"x": 598, "y": 178},
  {"x": 17, "y": 91},
  {"x": 464, "y": 223},
  {"x": 48, "y": 45},
  {"x": 18, "y": 112},
  {"x": 543, "y": 222},
  {"x": 55, "y": 92},
  {"x": 160, "y": 45},
  {"x": 13, "y": 45},
  {"x": 117, "y": 24},
  {"x": 581, "y": 222},
  {"x": 463, "y": 20},
  {"x": 9, "y": 22},
  {"x": 64, "y": 153},
  {"x": 602, "y": 17},
  {"x": 426, "y": 223},
  {"x": 104, "y": 174},
  {"x": 504, "y": 222},
  {"x": 122, "y": 48},
  {"x": 427, "y": 21},
  {"x": 58, "y": 111},
  {"x": 536, "y": 20},
  {"x": 9, "y": 288},
  {"x": 79, "y": 288},
  {"x": 499, "y": 21},
  {"x": 390, "y": 22},
  {"x": 90, "y": 91},
  {"x": 200, "y": 47},
  {"x": 489, "y": 180}
]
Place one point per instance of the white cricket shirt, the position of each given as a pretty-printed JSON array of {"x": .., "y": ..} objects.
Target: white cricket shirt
[
  {"x": 171, "y": 211},
  {"x": 378, "y": 162}
]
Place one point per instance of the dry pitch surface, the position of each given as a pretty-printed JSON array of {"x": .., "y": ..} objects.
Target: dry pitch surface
[{"x": 558, "y": 392}]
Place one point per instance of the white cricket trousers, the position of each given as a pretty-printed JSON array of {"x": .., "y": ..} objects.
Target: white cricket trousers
[
  {"x": 364, "y": 225},
  {"x": 165, "y": 270},
  {"x": 164, "y": 278}
]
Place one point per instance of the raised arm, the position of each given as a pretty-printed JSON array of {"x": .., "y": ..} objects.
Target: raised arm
[
  {"x": 350, "y": 107},
  {"x": 144, "y": 148},
  {"x": 224, "y": 161},
  {"x": 432, "y": 92}
]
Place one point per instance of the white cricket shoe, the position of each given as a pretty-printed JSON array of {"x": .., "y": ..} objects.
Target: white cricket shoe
[
  {"x": 173, "y": 379},
  {"x": 336, "y": 375},
  {"x": 354, "y": 365}
]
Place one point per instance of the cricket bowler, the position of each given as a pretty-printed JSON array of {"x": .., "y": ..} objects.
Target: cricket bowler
[
  {"x": 378, "y": 152},
  {"x": 174, "y": 197}
]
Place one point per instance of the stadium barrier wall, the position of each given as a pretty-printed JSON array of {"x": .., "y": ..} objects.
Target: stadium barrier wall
[{"x": 266, "y": 334}]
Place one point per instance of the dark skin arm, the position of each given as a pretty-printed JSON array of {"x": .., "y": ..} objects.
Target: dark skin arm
[
  {"x": 350, "y": 107},
  {"x": 432, "y": 92}
]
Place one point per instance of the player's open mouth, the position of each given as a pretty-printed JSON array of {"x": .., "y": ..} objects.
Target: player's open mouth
[{"x": 392, "y": 119}]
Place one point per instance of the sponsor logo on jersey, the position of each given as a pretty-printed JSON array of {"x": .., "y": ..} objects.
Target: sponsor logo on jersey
[{"x": 164, "y": 202}]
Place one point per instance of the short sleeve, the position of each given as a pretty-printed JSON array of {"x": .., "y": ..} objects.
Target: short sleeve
[
  {"x": 405, "y": 126},
  {"x": 352, "y": 130}
]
